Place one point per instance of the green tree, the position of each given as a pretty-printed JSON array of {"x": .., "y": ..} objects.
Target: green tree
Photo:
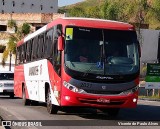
[
  {"x": 62, "y": 10},
  {"x": 154, "y": 13},
  {"x": 11, "y": 23},
  {"x": 133, "y": 11},
  {"x": 157, "y": 9},
  {"x": 26, "y": 28},
  {"x": 93, "y": 12},
  {"x": 2, "y": 48},
  {"x": 13, "y": 39},
  {"x": 10, "y": 49},
  {"x": 109, "y": 10},
  {"x": 104, "y": 9},
  {"x": 112, "y": 12},
  {"x": 77, "y": 12}
]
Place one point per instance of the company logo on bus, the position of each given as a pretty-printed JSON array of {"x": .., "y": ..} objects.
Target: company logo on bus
[
  {"x": 103, "y": 87},
  {"x": 33, "y": 71},
  {"x": 107, "y": 78}
]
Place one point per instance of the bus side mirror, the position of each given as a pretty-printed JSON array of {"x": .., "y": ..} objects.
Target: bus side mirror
[{"x": 60, "y": 43}]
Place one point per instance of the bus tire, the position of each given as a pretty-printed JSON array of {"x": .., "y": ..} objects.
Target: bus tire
[
  {"x": 25, "y": 101},
  {"x": 51, "y": 108},
  {"x": 11, "y": 95},
  {"x": 34, "y": 103}
]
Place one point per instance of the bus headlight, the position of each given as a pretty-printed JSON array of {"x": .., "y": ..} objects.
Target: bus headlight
[
  {"x": 73, "y": 88},
  {"x": 130, "y": 91}
]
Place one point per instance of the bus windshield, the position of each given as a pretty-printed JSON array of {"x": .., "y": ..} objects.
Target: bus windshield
[{"x": 101, "y": 51}]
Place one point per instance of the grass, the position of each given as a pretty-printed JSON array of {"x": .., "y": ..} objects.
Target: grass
[{"x": 150, "y": 97}]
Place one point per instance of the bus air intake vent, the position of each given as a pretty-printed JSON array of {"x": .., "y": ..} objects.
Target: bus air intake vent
[
  {"x": 103, "y": 92},
  {"x": 94, "y": 101}
]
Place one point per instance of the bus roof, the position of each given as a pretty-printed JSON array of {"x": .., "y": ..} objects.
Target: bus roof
[
  {"x": 94, "y": 19},
  {"x": 81, "y": 22},
  {"x": 93, "y": 23}
]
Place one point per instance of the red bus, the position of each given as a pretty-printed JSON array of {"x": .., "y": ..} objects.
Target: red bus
[{"x": 79, "y": 62}]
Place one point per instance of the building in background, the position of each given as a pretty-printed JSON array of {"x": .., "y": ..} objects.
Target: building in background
[
  {"x": 150, "y": 45},
  {"x": 35, "y": 12},
  {"x": 28, "y": 6},
  {"x": 150, "y": 48}
]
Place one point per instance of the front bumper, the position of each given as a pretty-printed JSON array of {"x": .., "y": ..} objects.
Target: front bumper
[
  {"x": 8, "y": 90},
  {"x": 100, "y": 101}
]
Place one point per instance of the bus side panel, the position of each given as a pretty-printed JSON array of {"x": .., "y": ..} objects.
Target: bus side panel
[
  {"x": 55, "y": 81},
  {"x": 18, "y": 80},
  {"x": 36, "y": 78}
]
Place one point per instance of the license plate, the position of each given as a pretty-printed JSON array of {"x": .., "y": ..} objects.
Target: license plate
[{"x": 102, "y": 100}]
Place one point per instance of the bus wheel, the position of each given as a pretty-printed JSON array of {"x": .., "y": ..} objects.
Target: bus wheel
[
  {"x": 25, "y": 101},
  {"x": 52, "y": 109},
  {"x": 11, "y": 95}
]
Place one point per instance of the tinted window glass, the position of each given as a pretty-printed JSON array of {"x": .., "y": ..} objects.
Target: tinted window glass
[
  {"x": 101, "y": 51},
  {"x": 6, "y": 76}
]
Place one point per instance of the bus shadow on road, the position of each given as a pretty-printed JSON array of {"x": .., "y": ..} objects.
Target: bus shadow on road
[
  {"x": 7, "y": 97},
  {"x": 141, "y": 113},
  {"x": 87, "y": 113}
]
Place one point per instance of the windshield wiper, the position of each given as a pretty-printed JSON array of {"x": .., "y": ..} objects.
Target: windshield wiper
[
  {"x": 72, "y": 64},
  {"x": 87, "y": 71},
  {"x": 98, "y": 65}
]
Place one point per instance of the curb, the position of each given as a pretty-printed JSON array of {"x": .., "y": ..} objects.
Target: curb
[{"x": 149, "y": 99}]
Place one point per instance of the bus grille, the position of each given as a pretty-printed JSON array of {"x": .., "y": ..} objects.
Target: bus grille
[
  {"x": 94, "y": 101},
  {"x": 103, "y": 92},
  {"x": 8, "y": 84}
]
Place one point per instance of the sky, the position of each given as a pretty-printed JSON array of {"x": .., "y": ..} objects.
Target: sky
[{"x": 67, "y": 2}]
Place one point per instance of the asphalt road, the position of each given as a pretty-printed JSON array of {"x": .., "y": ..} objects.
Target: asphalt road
[{"x": 146, "y": 111}]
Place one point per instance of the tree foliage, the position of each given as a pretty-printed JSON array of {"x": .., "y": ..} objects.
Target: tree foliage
[
  {"x": 137, "y": 11},
  {"x": 93, "y": 12},
  {"x": 26, "y": 28},
  {"x": 2, "y": 48},
  {"x": 111, "y": 11},
  {"x": 76, "y": 12},
  {"x": 13, "y": 39},
  {"x": 11, "y": 23}
]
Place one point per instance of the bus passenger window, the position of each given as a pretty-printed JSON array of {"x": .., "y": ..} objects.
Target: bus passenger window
[
  {"x": 28, "y": 51},
  {"x": 45, "y": 46},
  {"x": 18, "y": 56},
  {"x": 23, "y": 53},
  {"x": 42, "y": 46},
  {"x": 56, "y": 54},
  {"x": 39, "y": 50}
]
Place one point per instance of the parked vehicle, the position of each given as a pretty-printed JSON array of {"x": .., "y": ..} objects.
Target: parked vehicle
[{"x": 7, "y": 83}]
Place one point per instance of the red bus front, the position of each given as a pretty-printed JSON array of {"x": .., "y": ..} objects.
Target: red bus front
[{"x": 100, "y": 68}]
